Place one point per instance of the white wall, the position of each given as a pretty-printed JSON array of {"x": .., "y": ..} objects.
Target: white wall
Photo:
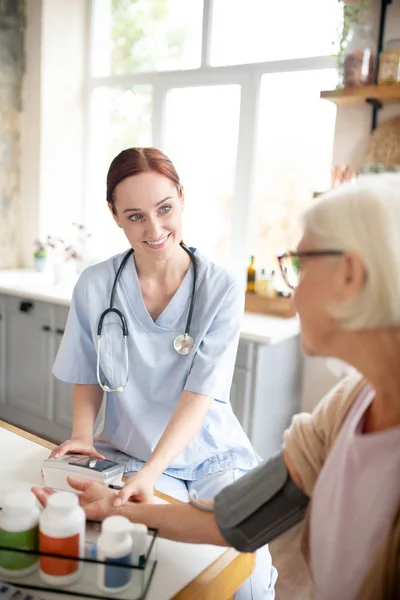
[
  {"x": 11, "y": 73},
  {"x": 353, "y": 130},
  {"x": 31, "y": 132},
  {"x": 53, "y": 119}
]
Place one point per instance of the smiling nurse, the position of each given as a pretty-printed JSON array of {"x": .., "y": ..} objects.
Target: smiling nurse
[{"x": 168, "y": 417}]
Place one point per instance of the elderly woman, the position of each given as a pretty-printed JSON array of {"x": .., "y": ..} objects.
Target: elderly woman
[{"x": 346, "y": 455}]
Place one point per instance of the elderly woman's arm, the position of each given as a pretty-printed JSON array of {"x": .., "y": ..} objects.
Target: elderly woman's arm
[
  {"x": 252, "y": 523},
  {"x": 310, "y": 437}
]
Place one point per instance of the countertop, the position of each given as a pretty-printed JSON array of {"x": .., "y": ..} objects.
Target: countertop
[{"x": 26, "y": 283}]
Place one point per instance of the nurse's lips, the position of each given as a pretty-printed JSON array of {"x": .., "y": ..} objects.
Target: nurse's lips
[{"x": 158, "y": 243}]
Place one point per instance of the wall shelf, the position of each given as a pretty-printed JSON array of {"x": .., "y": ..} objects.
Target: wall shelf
[
  {"x": 375, "y": 95},
  {"x": 382, "y": 94}
]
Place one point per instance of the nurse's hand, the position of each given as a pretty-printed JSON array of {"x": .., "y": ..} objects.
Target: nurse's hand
[
  {"x": 138, "y": 488},
  {"x": 76, "y": 446},
  {"x": 95, "y": 499}
]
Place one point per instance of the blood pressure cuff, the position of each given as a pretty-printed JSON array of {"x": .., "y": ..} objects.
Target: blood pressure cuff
[{"x": 260, "y": 506}]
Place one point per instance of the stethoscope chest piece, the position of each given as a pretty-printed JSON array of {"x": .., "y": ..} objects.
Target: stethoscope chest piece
[{"x": 183, "y": 344}]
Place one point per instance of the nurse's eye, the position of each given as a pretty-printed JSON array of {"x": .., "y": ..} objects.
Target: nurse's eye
[
  {"x": 135, "y": 217},
  {"x": 165, "y": 209}
]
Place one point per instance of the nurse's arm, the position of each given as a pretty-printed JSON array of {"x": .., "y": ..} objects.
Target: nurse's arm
[
  {"x": 182, "y": 428},
  {"x": 184, "y": 425},
  {"x": 87, "y": 402}
]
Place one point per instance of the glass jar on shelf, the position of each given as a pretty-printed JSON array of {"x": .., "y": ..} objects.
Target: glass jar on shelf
[
  {"x": 389, "y": 63},
  {"x": 359, "y": 57}
]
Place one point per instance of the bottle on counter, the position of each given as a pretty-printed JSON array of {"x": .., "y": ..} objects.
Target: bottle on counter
[
  {"x": 389, "y": 63},
  {"x": 19, "y": 522},
  {"x": 251, "y": 276},
  {"x": 359, "y": 58},
  {"x": 114, "y": 547},
  {"x": 62, "y": 527},
  {"x": 264, "y": 285},
  {"x": 273, "y": 284}
]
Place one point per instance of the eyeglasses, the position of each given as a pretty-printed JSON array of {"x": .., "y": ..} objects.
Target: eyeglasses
[{"x": 289, "y": 263}]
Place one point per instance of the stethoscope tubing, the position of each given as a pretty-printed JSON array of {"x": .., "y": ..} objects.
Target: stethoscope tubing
[{"x": 112, "y": 309}]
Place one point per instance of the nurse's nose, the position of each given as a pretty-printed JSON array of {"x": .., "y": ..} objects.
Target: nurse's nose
[{"x": 153, "y": 230}]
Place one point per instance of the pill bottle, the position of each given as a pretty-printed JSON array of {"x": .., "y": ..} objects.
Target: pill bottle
[
  {"x": 62, "y": 532},
  {"x": 139, "y": 539},
  {"x": 114, "y": 547},
  {"x": 19, "y": 521}
]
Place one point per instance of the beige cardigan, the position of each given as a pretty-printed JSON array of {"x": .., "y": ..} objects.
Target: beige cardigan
[{"x": 311, "y": 436}]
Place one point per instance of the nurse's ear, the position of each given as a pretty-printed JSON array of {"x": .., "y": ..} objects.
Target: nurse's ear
[
  {"x": 114, "y": 214},
  {"x": 182, "y": 196}
]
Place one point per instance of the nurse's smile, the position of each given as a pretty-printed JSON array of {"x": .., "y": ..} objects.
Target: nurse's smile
[{"x": 156, "y": 245}]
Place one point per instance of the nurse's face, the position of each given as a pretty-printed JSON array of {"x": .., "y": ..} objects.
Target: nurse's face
[{"x": 149, "y": 208}]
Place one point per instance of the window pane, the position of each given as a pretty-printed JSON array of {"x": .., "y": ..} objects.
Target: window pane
[
  {"x": 205, "y": 158},
  {"x": 132, "y": 36},
  {"x": 262, "y": 30},
  {"x": 294, "y": 155},
  {"x": 119, "y": 119}
]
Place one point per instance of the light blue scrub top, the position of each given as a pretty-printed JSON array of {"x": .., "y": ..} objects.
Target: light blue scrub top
[{"x": 136, "y": 418}]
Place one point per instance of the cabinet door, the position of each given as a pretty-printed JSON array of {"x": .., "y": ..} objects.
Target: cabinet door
[
  {"x": 63, "y": 392},
  {"x": 276, "y": 395},
  {"x": 29, "y": 351},
  {"x": 2, "y": 349},
  {"x": 240, "y": 395}
]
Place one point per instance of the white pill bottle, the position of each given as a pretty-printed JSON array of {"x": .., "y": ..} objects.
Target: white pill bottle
[
  {"x": 62, "y": 527},
  {"x": 114, "y": 547},
  {"x": 19, "y": 522}
]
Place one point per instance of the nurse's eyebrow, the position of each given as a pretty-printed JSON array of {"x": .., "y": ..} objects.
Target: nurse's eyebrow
[{"x": 139, "y": 209}]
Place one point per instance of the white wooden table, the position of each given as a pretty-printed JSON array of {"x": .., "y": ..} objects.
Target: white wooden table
[{"x": 183, "y": 572}]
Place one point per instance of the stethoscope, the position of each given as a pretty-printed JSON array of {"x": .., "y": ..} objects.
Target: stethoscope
[{"x": 183, "y": 343}]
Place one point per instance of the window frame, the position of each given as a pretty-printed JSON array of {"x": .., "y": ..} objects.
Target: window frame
[{"x": 248, "y": 77}]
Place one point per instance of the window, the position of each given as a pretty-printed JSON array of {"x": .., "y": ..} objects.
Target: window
[
  {"x": 207, "y": 158},
  {"x": 146, "y": 35},
  {"x": 230, "y": 91},
  {"x": 294, "y": 156},
  {"x": 260, "y": 30}
]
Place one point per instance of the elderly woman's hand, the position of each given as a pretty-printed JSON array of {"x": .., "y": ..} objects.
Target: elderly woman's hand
[{"x": 95, "y": 499}]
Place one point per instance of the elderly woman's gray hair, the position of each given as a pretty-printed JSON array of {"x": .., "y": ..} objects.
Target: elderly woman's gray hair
[{"x": 364, "y": 216}]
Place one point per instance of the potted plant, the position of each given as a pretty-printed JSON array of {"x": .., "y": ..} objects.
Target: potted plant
[
  {"x": 64, "y": 260},
  {"x": 40, "y": 255}
]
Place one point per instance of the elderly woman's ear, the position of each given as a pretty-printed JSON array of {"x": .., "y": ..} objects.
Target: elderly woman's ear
[{"x": 353, "y": 275}]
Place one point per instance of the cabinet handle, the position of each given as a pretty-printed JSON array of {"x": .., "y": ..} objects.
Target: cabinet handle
[
  {"x": 60, "y": 331},
  {"x": 46, "y": 328},
  {"x": 26, "y": 307}
]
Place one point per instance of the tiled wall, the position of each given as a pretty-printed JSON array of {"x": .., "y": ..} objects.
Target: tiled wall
[{"x": 12, "y": 26}]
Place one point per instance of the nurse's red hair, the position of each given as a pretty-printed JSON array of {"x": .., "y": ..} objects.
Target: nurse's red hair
[{"x": 135, "y": 161}]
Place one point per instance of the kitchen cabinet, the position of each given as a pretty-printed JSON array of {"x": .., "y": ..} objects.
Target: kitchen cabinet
[
  {"x": 28, "y": 354},
  {"x": 2, "y": 349},
  {"x": 63, "y": 392},
  {"x": 240, "y": 395},
  {"x": 266, "y": 391},
  {"x": 32, "y": 398}
]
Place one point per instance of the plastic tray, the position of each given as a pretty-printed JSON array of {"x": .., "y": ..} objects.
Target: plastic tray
[{"x": 86, "y": 586}]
